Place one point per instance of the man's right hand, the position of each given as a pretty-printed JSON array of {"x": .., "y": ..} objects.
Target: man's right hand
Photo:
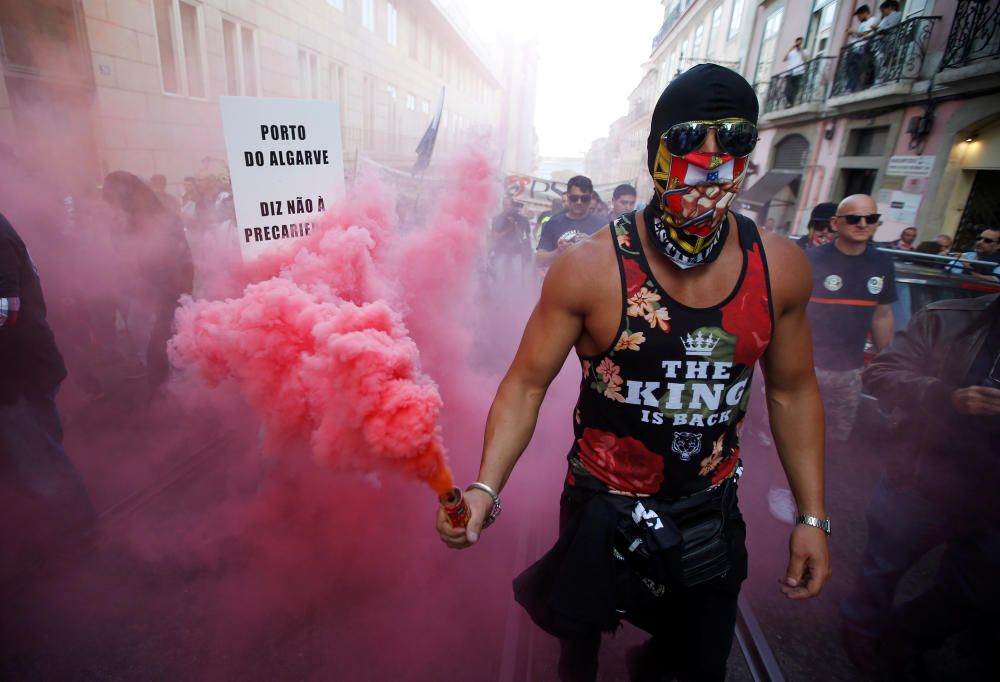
[
  {"x": 479, "y": 504},
  {"x": 979, "y": 401}
]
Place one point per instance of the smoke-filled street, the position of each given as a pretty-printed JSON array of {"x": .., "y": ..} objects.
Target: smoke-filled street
[{"x": 424, "y": 340}]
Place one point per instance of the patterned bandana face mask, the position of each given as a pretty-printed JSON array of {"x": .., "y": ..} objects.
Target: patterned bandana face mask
[{"x": 693, "y": 192}]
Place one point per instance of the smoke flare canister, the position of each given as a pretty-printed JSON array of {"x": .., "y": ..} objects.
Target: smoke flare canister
[{"x": 453, "y": 504}]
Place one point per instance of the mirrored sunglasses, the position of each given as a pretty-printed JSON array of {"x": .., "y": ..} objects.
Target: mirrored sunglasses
[
  {"x": 735, "y": 136},
  {"x": 574, "y": 198}
]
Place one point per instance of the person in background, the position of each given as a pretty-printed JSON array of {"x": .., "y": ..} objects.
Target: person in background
[
  {"x": 622, "y": 200},
  {"x": 158, "y": 183},
  {"x": 770, "y": 225},
  {"x": 853, "y": 291},
  {"x": 890, "y": 16},
  {"x": 510, "y": 241},
  {"x": 905, "y": 241},
  {"x": 544, "y": 217},
  {"x": 598, "y": 207},
  {"x": 795, "y": 58},
  {"x": 43, "y": 501},
  {"x": 945, "y": 242},
  {"x": 939, "y": 381},
  {"x": 153, "y": 246},
  {"x": 858, "y": 59},
  {"x": 575, "y": 224},
  {"x": 987, "y": 249},
  {"x": 820, "y": 229}
]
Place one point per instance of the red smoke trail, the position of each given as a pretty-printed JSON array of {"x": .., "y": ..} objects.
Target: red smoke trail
[{"x": 321, "y": 347}]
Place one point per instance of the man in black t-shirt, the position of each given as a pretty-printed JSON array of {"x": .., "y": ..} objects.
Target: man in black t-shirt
[
  {"x": 510, "y": 241},
  {"x": 565, "y": 229},
  {"x": 853, "y": 291},
  {"x": 41, "y": 494}
]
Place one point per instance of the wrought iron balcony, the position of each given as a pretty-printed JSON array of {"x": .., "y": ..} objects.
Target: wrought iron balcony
[
  {"x": 668, "y": 24},
  {"x": 885, "y": 57},
  {"x": 800, "y": 85},
  {"x": 975, "y": 33}
]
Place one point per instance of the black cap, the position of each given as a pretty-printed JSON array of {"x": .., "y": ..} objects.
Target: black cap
[
  {"x": 706, "y": 92},
  {"x": 823, "y": 211}
]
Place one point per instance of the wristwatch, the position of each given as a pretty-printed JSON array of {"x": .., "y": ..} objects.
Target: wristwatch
[{"x": 816, "y": 522}]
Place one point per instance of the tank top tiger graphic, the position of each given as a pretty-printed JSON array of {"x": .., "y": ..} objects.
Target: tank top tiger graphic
[{"x": 660, "y": 411}]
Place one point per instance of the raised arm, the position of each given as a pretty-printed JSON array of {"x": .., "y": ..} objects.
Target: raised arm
[
  {"x": 551, "y": 331},
  {"x": 796, "y": 413}
]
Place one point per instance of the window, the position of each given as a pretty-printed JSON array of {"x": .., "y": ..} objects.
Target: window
[
  {"x": 179, "y": 39},
  {"x": 392, "y": 92},
  {"x": 338, "y": 4},
  {"x": 697, "y": 44},
  {"x": 736, "y": 18},
  {"x": 411, "y": 102},
  {"x": 368, "y": 14},
  {"x": 241, "y": 58},
  {"x": 821, "y": 26},
  {"x": 425, "y": 107},
  {"x": 713, "y": 31},
  {"x": 336, "y": 83},
  {"x": 391, "y": 23},
  {"x": 768, "y": 40},
  {"x": 308, "y": 74},
  {"x": 413, "y": 39},
  {"x": 867, "y": 141}
]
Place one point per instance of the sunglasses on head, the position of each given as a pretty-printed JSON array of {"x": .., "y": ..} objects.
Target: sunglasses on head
[
  {"x": 736, "y": 136},
  {"x": 573, "y": 198},
  {"x": 870, "y": 218},
  {"x": 987, "y": 240}
]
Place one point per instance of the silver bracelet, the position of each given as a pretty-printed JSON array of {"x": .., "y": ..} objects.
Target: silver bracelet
[{"x": 495, "y": 512}]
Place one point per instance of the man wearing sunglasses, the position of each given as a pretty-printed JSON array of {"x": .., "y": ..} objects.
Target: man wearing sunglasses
[
  {"x": 576, "y": 223},
  {"x": 940, "y": 378},
  {"x": 669, "y": 309},
  {"x": 853, "y": 290},
  {"x": 820, "y": 229},
  {"x": 987, "y": 249}
]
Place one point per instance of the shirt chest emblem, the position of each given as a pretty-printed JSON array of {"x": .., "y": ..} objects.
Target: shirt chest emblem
[
  {"x": 875, "y": 285},
  {"x": 835, "y": 283}
]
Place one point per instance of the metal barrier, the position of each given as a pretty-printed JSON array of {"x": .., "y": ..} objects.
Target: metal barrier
[
  {"x": 789, "y": 89},
  {"x": 974, "y": 35},
  {"x": 885, "y": 57}
]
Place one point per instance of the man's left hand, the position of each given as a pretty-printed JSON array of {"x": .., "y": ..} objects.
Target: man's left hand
[{"x": 808, "y": 563}]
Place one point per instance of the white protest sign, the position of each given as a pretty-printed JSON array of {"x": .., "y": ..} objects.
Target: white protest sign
[
  {"x": 899, "y": 210},
  {"x": 286, "y": 166}
]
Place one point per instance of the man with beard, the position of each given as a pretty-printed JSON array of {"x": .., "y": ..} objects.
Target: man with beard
[
  {"x": 577, "y": 223},
  {"x": 668, "y": 309}
]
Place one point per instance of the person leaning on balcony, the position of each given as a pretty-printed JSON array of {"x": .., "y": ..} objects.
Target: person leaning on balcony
[
  {"x": 890, "y": 15},
  {"x": 857, "y": 60},
  {"x": 796, "y": 60}
]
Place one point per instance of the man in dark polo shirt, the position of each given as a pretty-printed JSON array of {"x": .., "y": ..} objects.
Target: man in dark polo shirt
[
  {"x": 565, "y": 229},
  {"x": 41, "y": 495},
  {"x": 853, "y": 290}
]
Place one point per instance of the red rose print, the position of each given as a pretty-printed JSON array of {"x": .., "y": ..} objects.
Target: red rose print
[
  {"x": 727, "y": 466},
  {"x": 635, "y": 278},
  {"x": 747, "y": 316},
  {"x": 621, "y": 462}
]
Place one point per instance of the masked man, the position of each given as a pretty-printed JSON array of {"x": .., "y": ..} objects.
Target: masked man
[{"x": 668, "y": 310}]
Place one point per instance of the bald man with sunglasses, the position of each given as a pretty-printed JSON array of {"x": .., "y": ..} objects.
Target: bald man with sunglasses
[
  {"x": 669, "y": 309},
  {"x": 853, "y": 291}
]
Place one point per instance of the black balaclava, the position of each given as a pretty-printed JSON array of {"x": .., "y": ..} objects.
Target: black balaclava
[{"x": 687, "y": 221}]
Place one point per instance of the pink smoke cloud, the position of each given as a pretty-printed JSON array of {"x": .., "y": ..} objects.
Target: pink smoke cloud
[{"x": 320, "y": 345}]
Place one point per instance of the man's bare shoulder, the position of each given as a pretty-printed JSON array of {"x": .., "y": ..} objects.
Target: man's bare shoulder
[
  {"x": 582, "y": 272},
  {"x": 791, "y": 274}
]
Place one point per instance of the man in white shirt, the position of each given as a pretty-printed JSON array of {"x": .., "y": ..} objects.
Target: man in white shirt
[
  {"x": 858, "y": 60},
  {"x": 796, "y": 60}
]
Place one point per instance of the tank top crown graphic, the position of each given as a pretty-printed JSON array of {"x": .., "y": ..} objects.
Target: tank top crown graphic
[{"x": 660, "y": 412}]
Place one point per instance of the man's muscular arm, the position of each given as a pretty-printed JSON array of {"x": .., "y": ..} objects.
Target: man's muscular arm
[
  {"x": 796, "y": 413},
  {"x": 551, "y": 331}
]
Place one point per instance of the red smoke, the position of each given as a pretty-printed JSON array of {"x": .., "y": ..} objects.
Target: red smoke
[{"x": 321, "y": 347}]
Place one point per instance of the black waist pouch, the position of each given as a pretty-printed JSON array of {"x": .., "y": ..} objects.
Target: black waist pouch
[{"x": 648, "y": 541}]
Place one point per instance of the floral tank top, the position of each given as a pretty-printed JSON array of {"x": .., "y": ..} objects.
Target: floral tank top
[{"x": 660, "y": 412}]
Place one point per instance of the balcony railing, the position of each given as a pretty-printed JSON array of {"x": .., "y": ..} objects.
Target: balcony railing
[
  {"x": 975, "y": 33},
  {"x": 885, "y": 57},
  {"x": 800, "y": 85},
  {"x": 668, "y": 24}
]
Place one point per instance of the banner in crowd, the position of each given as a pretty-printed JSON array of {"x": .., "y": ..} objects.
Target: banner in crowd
[
  {"x": 540, "y": 191},
  {"x": 286, "y": 166}
]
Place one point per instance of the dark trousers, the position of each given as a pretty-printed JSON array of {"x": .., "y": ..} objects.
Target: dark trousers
[
  {"x": 792, "y": 85},
  {"x": 42, "y": 499},
  {"x": 692, "y": 629}
]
